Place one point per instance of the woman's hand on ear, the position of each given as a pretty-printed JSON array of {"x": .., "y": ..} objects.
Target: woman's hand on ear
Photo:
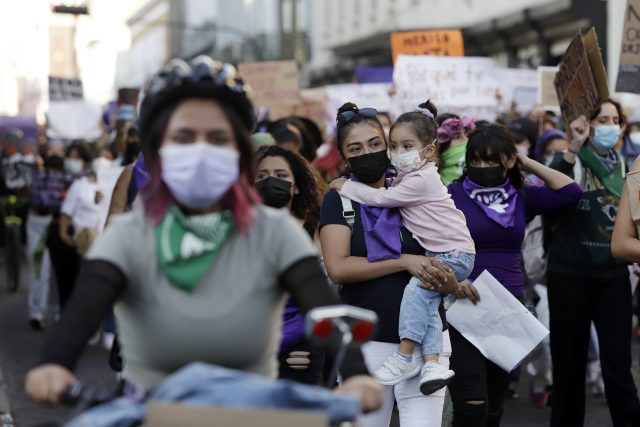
[{"x": 525, "y": 162}]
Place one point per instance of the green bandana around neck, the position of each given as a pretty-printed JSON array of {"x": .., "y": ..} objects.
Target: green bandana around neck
[
  {"x": 613, "y": 180},
  {"x": 187, "y": 246},
  {"x": 452, "y": 163}
]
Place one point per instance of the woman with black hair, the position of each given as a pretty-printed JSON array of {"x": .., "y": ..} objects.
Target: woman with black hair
[
  {"x": 373, "y": 256},
  {"x": 284, "y": 180},
  {"x": 586, "y": 284},
  {"x": 496, "y": 203}
]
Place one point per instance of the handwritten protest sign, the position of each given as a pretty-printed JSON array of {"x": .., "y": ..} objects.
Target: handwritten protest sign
[
  {"x": 465, "y": 86},
  {"x": 519, "y": 86},
  {"x": 629, "y": 71},
  {"x": 428, "y": 42},
  {"x": 274, "y": 84},
  {"x": 374, "y": 95},
  {"x": 547, "y": 97},
  {"x": 581, "y": 81}
]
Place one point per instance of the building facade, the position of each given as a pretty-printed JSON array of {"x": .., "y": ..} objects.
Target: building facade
[
  {"x": 516, "y": 33},
  {"x": 230, "y": 30}
]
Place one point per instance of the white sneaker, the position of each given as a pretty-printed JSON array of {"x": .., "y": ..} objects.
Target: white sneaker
[
  {"x": 434, "y": 376},
  {"x": 395, "y": 369}
]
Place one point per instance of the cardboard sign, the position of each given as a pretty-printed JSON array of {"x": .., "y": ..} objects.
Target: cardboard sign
[
  {"x": 581, "y": 81},
  {"x": 465, "y": 86},
  {"x": 428, "y": 42},
  {"x": 313, "y": 105},
  {"x": 273, "y": 84},
  {"x": 170, "y": 415},
  {"x": 629, "y": 71},
  {"x": 547, "y": 97}
]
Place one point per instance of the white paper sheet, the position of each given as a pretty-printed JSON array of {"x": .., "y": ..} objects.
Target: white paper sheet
[{"x": 499, "y": 326}]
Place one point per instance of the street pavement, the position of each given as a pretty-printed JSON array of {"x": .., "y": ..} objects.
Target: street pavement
[{"x": 20, "y": 349}]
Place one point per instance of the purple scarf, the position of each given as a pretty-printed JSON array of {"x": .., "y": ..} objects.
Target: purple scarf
[{"x": 498, "y": 203}]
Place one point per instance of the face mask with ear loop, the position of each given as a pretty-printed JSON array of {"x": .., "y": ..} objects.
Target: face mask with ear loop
[{"x": 410, "y": 161}]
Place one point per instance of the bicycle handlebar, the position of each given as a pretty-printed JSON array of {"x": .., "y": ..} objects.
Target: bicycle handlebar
[{"x": 83, "y": 396}]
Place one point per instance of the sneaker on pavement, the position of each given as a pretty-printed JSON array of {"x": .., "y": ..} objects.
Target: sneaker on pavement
[
  {"x": 434, "y": 376},
  {"x": 395, "y": 369}
]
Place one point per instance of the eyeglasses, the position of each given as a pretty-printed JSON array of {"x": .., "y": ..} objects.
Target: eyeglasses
[{"x": 347, "y": 116}]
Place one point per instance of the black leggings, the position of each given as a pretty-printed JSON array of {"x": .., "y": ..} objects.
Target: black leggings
[
  {"x": 574, "y": 302},
  {"x": 477, "y": 380},
  {"x": 65, "y": 261}
]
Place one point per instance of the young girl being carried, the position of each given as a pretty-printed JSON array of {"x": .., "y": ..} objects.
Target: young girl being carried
[{"x": 429, "y": 213}]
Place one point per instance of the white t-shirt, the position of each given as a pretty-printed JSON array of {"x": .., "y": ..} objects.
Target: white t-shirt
[{"x": 80, "y": 205}]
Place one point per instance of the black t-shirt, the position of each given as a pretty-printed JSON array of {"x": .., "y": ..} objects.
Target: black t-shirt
[{"x": 384, "y": 294}]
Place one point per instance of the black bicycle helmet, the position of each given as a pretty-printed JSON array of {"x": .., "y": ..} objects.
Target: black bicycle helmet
[{"x": 202, "y": 77}]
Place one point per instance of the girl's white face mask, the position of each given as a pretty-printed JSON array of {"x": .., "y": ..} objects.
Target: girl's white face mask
[
  {"x": 409, "y": 161},
  {"x": 199, "y": 174}
]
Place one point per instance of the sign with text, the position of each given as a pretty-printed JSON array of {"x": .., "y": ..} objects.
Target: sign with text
[
  {"x": 518, "y": 87},
  {"x": 427, "y": 42},
  {"x": 629, "y": 70},
  {"x": 547, "y": 97},
  {"x": 274, "y": 84},
  {"x": 465, "y": 86},
  {"x": 373, "y": 95},
  {"x": 581, "y": 81},
  {"x": 61, "y": 89}
]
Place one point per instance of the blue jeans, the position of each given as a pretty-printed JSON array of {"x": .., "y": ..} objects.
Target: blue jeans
[{"x": 419, "y": 317}]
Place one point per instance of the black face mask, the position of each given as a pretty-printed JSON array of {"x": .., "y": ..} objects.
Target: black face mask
[
  {"x": 54, "y": 162},
  {"x": 487, "y": 177},
  {"x": 275, "y": 192},
  {"x": 369, "y": 168}
]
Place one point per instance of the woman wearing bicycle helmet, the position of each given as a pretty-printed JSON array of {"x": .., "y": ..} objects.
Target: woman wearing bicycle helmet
[{"x": 201, "y": 273}]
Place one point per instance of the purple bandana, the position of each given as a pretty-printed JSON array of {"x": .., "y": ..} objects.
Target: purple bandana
[
  {"x": 381, "y": 229},
  {"x": 498, "y": 203}
]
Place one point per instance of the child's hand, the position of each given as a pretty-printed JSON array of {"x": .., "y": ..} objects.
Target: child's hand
[{"x": 337, "y": 184}]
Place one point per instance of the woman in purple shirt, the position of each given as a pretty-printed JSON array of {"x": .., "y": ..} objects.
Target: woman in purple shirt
[{"x": 492, "y": 195}]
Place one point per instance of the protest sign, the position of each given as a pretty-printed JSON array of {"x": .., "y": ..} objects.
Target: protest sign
[
  {"x": 428, "y": 42},
  {"x": 518, "y": 86},
  {"x": 500, "y": 326},
  {"x": 273, "y": 84},
  {"x": 313, "y": 105},
  {"x": 465, "y": 86},
  {"x": 61, "y": 89},
  {"x": 74, "y": 119},
  {"x": 547, "y": 97},
  {"x": 629, "y": 70},
  {"x": 373, "y": 95},
  {"x": 581, "y": 81}
]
